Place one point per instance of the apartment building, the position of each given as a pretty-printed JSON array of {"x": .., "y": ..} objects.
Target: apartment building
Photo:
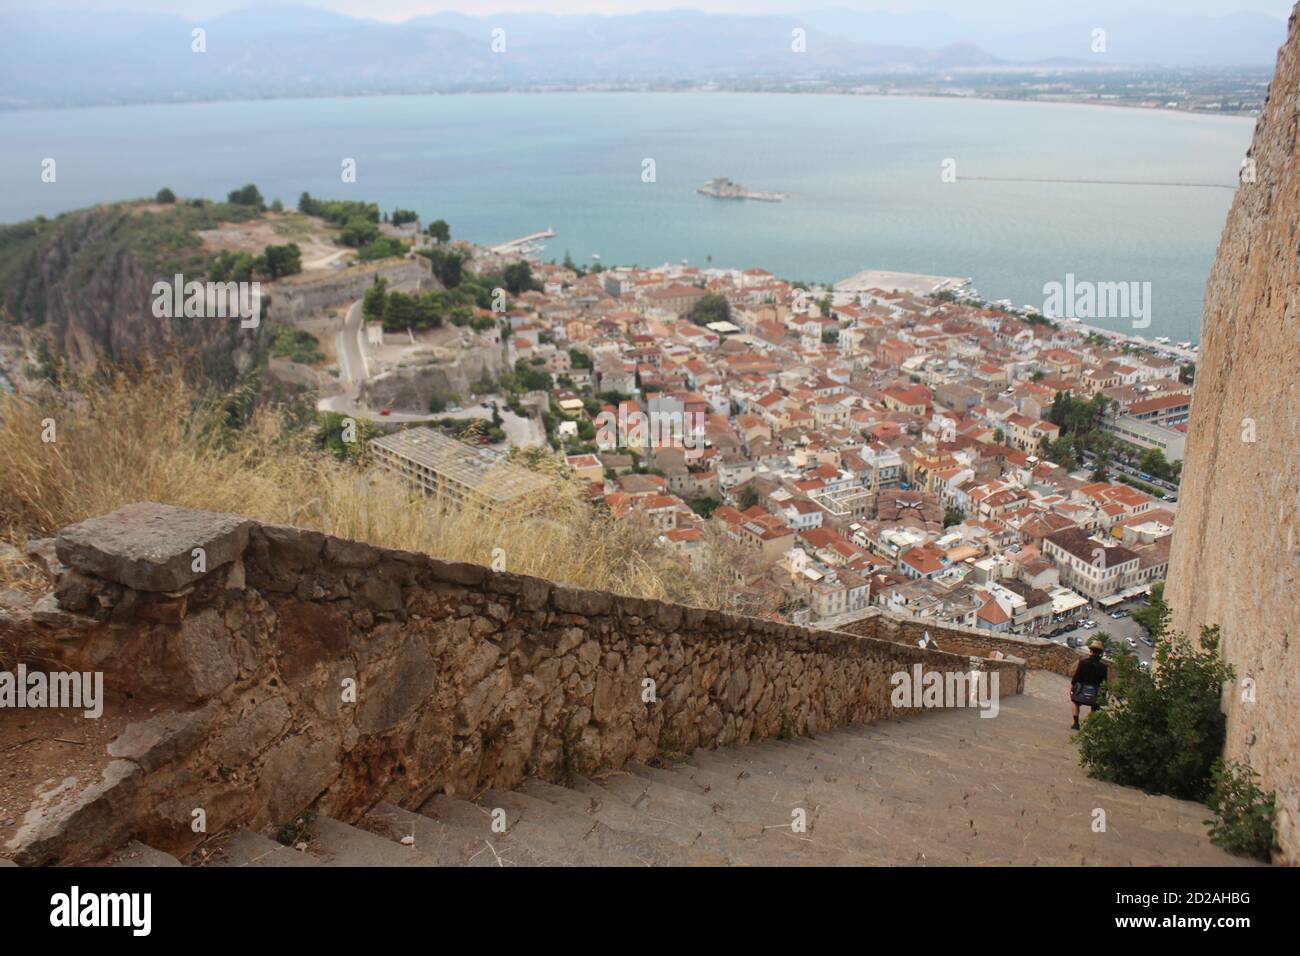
[
  {"x": 459, "y": 474},
  {"x": 1088, "y": 565}
]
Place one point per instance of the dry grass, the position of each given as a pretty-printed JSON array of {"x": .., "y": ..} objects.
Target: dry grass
[{"x": 151, "y": 437}]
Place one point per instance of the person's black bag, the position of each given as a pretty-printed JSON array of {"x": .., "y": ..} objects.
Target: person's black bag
[{"x": 1086, "y": 694}]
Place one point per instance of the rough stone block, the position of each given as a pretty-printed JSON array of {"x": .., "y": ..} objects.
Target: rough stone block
[
  {"x": 576, "y": 601},
  {"x": 343, "y": 553},
  {"x": 161, "y": 739},
  {"x": 149, "y": 546},
  {"x": 296, "y": 771},
  {"x": 206, "y": 652}
]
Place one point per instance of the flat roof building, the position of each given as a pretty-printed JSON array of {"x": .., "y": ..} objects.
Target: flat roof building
[
  {"x": 460, "y": 473},
  {"x": 1147, "y": 435}
]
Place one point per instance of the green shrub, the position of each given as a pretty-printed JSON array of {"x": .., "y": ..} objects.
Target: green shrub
[
  {"x": 246, "y": 196},
  {"x": 283, "y": 260},
  {"x": 358, "y": 232},
  {"x": 1161, "y": 730},
  {"x": 381, "y": 247},
  {"x": 440, "y": 400},
  {"x": 297, "y": 345},
  {"x": 1244, "y": 812}
]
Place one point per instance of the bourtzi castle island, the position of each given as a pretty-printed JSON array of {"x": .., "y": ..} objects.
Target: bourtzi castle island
[
  {"x": 458, "y": 556},
  {"x": 723, "y": 188}
]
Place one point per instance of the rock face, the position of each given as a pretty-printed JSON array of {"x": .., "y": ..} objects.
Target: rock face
[
  {"x": 1236, "y": 551},
  {"x": 412, "y": 388},
  {"x": 304, "y": 670},
  {"x": 84, "y": 285}
]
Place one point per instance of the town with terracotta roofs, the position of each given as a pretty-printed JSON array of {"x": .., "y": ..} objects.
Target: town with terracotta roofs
[{"x": 915, "y": 450}]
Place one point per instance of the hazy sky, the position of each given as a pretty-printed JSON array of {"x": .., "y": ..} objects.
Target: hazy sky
[{"x": 963, "y": 9}]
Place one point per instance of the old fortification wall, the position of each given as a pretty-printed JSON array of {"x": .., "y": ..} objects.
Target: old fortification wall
[
  {"x": 1038, "y": 654},
  {"x": 1236, "y": 551},
  {"x": 297, "y": 297},
  {"x": 289, "y": 668}
]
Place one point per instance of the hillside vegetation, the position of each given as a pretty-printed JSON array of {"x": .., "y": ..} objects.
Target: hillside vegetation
[
  {"x": 150, "y": 436},
  {"x": 156, "y": 239}
]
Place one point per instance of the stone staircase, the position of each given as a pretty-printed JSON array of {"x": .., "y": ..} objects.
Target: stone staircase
[{"x": 943, "y": 788}]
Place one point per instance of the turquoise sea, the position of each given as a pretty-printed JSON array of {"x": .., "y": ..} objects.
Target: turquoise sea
[{"x": 864, "y": 174}]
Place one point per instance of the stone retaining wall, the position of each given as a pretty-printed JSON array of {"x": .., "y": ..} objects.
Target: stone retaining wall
[
  {"x": 292, "y": 669},
  {"x": 1038, "y": 654}
]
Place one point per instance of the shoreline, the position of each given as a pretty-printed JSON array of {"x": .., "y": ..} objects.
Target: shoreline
[
  {"x": 577, "y": 90},
  {"x": 1061, "y": 323}
]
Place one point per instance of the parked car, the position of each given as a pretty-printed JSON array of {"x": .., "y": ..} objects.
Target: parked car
[
  {"x": 1119, "y": 614},
  {"x": 1072, "y": 641},
  {"x": 1148, "y": 640},
  {"x": 1132, "y": 643},
  {"x": 1089, "y": 625},
  {"x": 385, "y": 411}
]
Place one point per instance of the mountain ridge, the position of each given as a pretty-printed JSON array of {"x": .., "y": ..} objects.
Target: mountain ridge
[{"x": 275, "y": 50}]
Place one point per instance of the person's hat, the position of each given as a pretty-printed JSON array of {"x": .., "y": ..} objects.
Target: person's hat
[{"x": 1096, "y": 645}]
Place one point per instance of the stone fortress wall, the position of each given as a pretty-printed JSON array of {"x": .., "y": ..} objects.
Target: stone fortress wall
[
  {"x": 1235, "y": 561},
  {"x": 296, "y": 297}
]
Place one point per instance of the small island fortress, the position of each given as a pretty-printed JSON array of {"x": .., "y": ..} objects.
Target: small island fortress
[{"x": 721, "y": 187}]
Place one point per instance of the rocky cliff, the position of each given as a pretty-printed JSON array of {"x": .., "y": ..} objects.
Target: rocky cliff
[
  {"x": 84, "y": 280},
  {"x": 1236, "y": 551}
]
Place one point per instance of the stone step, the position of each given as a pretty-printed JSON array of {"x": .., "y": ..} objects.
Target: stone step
[
  {"x": 998, "y": 798},
  {"x": 878, "y": 825},
  {"x": 492, "y": 849},
  {"x": 861, "y": 820},
  {"x": 942, "y": 788},
  {"x": 742, "y": 831},
  {"x": 447, "y": 841},
  {"x": 136, "y": 853},
  {"x": 338, "y": 844},
  {"x": 935, "y": 796},
  {"x": 247, "y": 848},
  {"x": 627, "y": 842},
  {"x": 558, "y": 835},
  {"x": 588, "y": 796}
]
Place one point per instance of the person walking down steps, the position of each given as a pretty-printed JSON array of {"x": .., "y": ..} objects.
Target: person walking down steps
[{"x": 1085, "y": 686}]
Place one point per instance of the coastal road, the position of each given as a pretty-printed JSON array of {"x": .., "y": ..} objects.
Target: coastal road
[{"x": 353, "y": 365}]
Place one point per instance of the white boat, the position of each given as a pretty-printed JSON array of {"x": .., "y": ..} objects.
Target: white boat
[
  {"x": 1185, "y": 345},
  {"x": 1162, "y": 339}
]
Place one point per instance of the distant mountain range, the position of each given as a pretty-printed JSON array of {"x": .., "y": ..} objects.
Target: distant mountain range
[{"x": 54, "y": 57}]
